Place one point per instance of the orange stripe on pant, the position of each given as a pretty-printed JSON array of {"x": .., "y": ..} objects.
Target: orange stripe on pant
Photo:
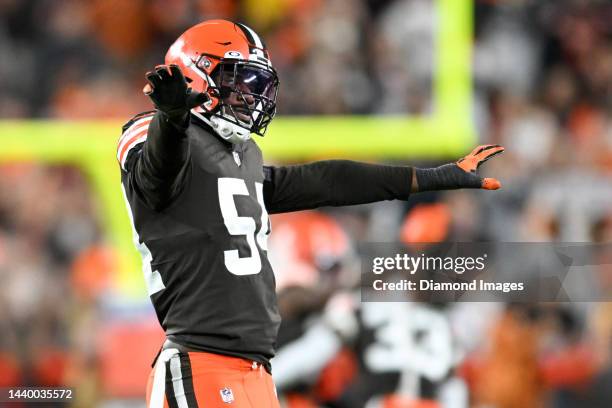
[{"x": 216, "y": 381}]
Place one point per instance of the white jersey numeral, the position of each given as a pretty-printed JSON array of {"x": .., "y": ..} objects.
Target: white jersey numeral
[
  {"x": 153, "y": 278},
  {"x": 264, "y": 231},
  {"x": 236, "y": 225}
]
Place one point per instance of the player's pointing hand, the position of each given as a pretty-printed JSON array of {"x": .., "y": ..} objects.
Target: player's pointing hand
[
  {"x": 476, "y": 158},
  {"x": 461, "y": 174}
]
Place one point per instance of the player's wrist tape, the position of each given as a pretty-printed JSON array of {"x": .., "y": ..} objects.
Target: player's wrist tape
[{"x": 446, "y": 177}]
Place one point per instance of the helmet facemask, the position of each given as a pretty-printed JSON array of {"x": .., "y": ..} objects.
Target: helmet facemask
[
  {"x": 246, "y": 97},
  {"x": 247, "y": 93}
]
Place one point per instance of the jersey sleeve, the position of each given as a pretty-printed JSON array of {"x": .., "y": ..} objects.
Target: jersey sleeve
[
  {"x": 134, "y": 133},
  {"x": 333, "y": 183},
  {"x": 153, "y": 155}
]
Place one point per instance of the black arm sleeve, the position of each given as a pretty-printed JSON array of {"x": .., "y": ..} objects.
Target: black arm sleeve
[
  {"x": 160, "y": 170},
  {"x": 333, "y": 183}
]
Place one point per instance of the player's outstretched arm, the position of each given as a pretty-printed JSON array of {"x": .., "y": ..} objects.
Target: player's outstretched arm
[
  {"x": 333, "y": 183},
  {"x": 157, "y": 168},
  {"x": 461, "y": 174},
  {"x": 344, "y": 182},
  {"x": 165, "y": 150}
]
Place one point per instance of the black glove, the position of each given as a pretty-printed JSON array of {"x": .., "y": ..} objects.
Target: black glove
[
  {"x": 170, "y": 94},
  {"x": 461, "y": 174}
]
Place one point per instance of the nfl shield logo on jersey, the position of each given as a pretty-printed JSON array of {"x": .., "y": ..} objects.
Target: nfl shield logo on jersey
[{"x": 227, "y": 395}]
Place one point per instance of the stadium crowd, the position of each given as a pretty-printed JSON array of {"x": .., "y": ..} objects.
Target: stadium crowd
[{"x": 542, "y": 88}]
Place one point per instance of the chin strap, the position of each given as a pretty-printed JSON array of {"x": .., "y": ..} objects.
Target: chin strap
[{"x": 224, "y": 128}]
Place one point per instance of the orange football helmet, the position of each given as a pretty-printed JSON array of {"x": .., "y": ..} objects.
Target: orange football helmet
[{"x": 230, "y": 63}]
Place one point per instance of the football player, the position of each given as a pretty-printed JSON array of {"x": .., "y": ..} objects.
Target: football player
[{"x": 199, "y": 195}]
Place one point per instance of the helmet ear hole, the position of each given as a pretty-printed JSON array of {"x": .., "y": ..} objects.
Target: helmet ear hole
[{"x": 189, "y": 80}]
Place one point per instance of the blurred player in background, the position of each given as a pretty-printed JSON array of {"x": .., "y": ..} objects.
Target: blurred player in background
[
  {"x": 199, "y": 196},
  {"x": 336, "y": 351}
]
